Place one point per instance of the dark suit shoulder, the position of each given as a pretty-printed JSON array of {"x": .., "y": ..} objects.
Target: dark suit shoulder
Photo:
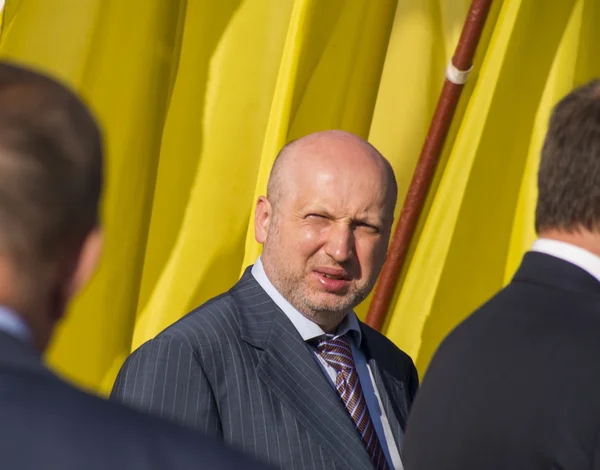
[
  {"x": 206, "y": 325},
  {"x": 191, "y": 343},
  {"x": 57, "y": 415},
  {"x": 119, "y": 420},
  {"x": 533, "y": 312}
]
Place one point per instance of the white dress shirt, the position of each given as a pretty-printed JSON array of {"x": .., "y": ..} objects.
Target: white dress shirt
[
  {"x": 14, "y": 325},
  {"x": 580, "y": 257},
  {"x": 309, "y": 330}
]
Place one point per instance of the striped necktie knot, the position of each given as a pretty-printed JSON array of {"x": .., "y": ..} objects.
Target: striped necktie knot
[{"x": 336, "y": 352}]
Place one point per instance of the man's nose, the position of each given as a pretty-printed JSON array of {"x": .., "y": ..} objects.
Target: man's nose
[{"x": 340, "y": 242}]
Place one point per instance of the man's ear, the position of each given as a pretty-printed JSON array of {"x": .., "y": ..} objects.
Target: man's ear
[
  {"x": 262, "y": 219},
  {"x": 89, "y": 256}
]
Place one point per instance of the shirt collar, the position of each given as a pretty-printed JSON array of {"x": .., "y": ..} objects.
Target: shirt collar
[
  {"x": 580, "y": 257},
  {"x": 307, "y": 328},
  {"x": 14, "y": 325}
]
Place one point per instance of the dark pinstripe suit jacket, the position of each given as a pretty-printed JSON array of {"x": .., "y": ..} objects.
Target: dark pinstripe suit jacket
[{"x": 237, "y": 368}]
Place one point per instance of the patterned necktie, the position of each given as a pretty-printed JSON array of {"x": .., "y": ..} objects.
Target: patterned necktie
[{"x": 338, "y": 354}]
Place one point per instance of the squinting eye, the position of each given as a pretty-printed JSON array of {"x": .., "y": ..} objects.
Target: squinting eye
[
  {"x": 369, "y": 227},
  {"x": 316, "y": 216}
]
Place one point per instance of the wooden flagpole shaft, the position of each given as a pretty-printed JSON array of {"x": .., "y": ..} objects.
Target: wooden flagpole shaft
[{"x": 456, "y": 76}]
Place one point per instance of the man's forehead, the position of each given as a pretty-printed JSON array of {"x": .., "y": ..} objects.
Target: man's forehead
[
  {"x": 330, "y": 191},
  {"x": 319, "y": 172},
  {"x": 332, "y": 168},
  {"x": 323, "y": 161}
]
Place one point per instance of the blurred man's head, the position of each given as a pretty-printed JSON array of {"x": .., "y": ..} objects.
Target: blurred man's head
[
  {"x": 50, "y": 185},
  {"x": 326, "y": 222},
  {"x": 568, "y": 206}
]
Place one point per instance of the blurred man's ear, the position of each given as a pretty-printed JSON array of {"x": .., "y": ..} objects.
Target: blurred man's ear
[
  {"x": 89, "y": 256},
  {"x": 262, "y": 218}
]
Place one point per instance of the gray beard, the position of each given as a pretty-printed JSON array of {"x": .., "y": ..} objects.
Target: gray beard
[{"x": 328, "y": 313}]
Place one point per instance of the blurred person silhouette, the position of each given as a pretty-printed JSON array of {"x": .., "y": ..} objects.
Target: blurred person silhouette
[
  {"x": 51, "y": 162},
  {"x": 517, "y": 384}
]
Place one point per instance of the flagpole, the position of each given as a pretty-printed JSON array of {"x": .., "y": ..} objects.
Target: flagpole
[{"x": 456, "y": 76}]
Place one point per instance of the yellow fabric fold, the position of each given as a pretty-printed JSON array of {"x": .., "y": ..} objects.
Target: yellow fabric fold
[
  {"x": 279, "y": 117},
  {"x": 209, "y": 158},
  {"x": 118, "y": 54}
]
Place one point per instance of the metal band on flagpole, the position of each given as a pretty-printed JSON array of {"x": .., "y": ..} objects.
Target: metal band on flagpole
[{"x": 458, "y": 77}]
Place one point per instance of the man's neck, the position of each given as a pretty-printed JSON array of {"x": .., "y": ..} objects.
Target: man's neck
[{"x": 17, "y": 298}]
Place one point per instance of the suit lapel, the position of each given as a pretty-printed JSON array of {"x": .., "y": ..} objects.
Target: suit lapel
[
  {"x": 393, "y": 399},
  {"x": 391, "y": 390},
  {"x": 293, "y": 375}
]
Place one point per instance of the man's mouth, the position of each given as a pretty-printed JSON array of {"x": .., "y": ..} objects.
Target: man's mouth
[
  {"x": 333, "y": 280},
  {"x": 334, "y": 273},
  {"x": 331, "y": 276}
]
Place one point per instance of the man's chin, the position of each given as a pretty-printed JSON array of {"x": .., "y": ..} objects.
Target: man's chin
[{"x": 334, "y": 303}]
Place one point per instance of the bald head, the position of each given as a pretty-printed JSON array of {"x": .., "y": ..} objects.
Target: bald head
[
  {"x": 333, "y": 148},
  {"x": 325, "y": 223}
]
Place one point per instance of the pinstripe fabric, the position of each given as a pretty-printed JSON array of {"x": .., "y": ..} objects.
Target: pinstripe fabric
[{"x": 236, "y": 368}]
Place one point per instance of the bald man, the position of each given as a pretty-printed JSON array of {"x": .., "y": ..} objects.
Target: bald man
[{"x": 279, "y": 366}]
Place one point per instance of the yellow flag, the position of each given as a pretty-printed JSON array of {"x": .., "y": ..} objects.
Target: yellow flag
[
  {"x": 210, "y": 156},
  {"x": 119, "y": 55},
  {"x": 1, "y": 17}
]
